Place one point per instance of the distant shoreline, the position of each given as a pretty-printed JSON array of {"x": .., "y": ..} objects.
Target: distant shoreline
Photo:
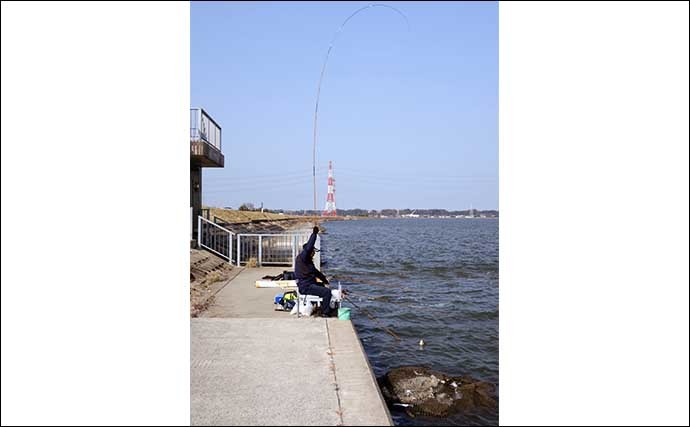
[
  {"x": 287, "y": 221},
  {"x": 359, "y": 218}
]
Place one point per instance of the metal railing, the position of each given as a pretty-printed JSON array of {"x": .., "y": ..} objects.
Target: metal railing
[
  {"x": 265, "y": 249},
  {"x": 215, "y": 238},
  {"x": 272, "y": 249},
  {"x": 221, "y": 222},
  {"x": 203, "y": 128}
]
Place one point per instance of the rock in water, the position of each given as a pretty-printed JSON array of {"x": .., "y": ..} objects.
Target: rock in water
[{"x": 434, "y": 393}]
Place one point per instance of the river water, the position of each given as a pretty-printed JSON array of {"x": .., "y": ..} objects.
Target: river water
[{"x": 431, "y": 279}]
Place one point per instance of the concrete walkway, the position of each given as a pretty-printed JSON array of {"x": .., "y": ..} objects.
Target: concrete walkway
[
  {"x": 252, "y": 365},
  {"x": 241, "y": 298}
]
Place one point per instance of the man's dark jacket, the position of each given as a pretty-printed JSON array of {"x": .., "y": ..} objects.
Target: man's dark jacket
[{"x": 305, "y": 270}]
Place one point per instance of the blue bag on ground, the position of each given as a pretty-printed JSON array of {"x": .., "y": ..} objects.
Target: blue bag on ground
[{"x": 288, "y": 300}]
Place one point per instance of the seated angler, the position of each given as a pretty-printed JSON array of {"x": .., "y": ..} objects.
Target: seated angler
[{"x": 306, "y": 274}]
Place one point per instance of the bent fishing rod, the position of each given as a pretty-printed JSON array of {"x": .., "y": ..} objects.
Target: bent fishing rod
[{"x": 323, "y": 71}]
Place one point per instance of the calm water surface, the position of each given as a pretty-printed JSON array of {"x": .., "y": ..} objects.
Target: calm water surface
[{"x": 435, "y": 279}]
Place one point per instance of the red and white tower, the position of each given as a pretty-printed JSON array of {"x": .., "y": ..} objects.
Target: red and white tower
[{"x": 330, "y": 197}]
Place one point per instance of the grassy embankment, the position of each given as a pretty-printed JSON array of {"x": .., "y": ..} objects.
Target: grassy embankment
[{"x": 242, "y": 217}]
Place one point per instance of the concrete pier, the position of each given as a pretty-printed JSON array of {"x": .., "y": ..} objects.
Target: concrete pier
[{"x": 251, "y": 365}]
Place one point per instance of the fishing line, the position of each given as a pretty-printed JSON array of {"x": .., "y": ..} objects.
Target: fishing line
[
  {"x": 371, "y": 316},
  {"x": 359, "y": 282},
  {"x": 323, "y": 71},
  {"x": 369, "y": 297},
  {"x": 366, "y": 312}
]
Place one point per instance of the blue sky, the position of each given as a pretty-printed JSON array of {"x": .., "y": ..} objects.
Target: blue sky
[{"x": 409, "y": 117}]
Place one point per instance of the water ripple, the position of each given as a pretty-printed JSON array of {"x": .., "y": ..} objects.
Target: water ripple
[{"x": 431, "y": 279}]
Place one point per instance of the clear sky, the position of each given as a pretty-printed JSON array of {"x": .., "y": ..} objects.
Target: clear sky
[{"x": 409, "y": 117}]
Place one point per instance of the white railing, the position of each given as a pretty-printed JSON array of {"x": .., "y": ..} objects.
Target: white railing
[
  {"x": 203, "y": 128},
  {"x": 273, "y": 249},
  {"x": 264, "y": 249},
  {"x": 215, "y": 238}
]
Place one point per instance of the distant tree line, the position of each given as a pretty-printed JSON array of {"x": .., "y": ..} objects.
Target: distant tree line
[
  {"x": 247, "y": 207},
  {"x": 389, "y": 213},
  {"x": 250, "y": 207}
]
